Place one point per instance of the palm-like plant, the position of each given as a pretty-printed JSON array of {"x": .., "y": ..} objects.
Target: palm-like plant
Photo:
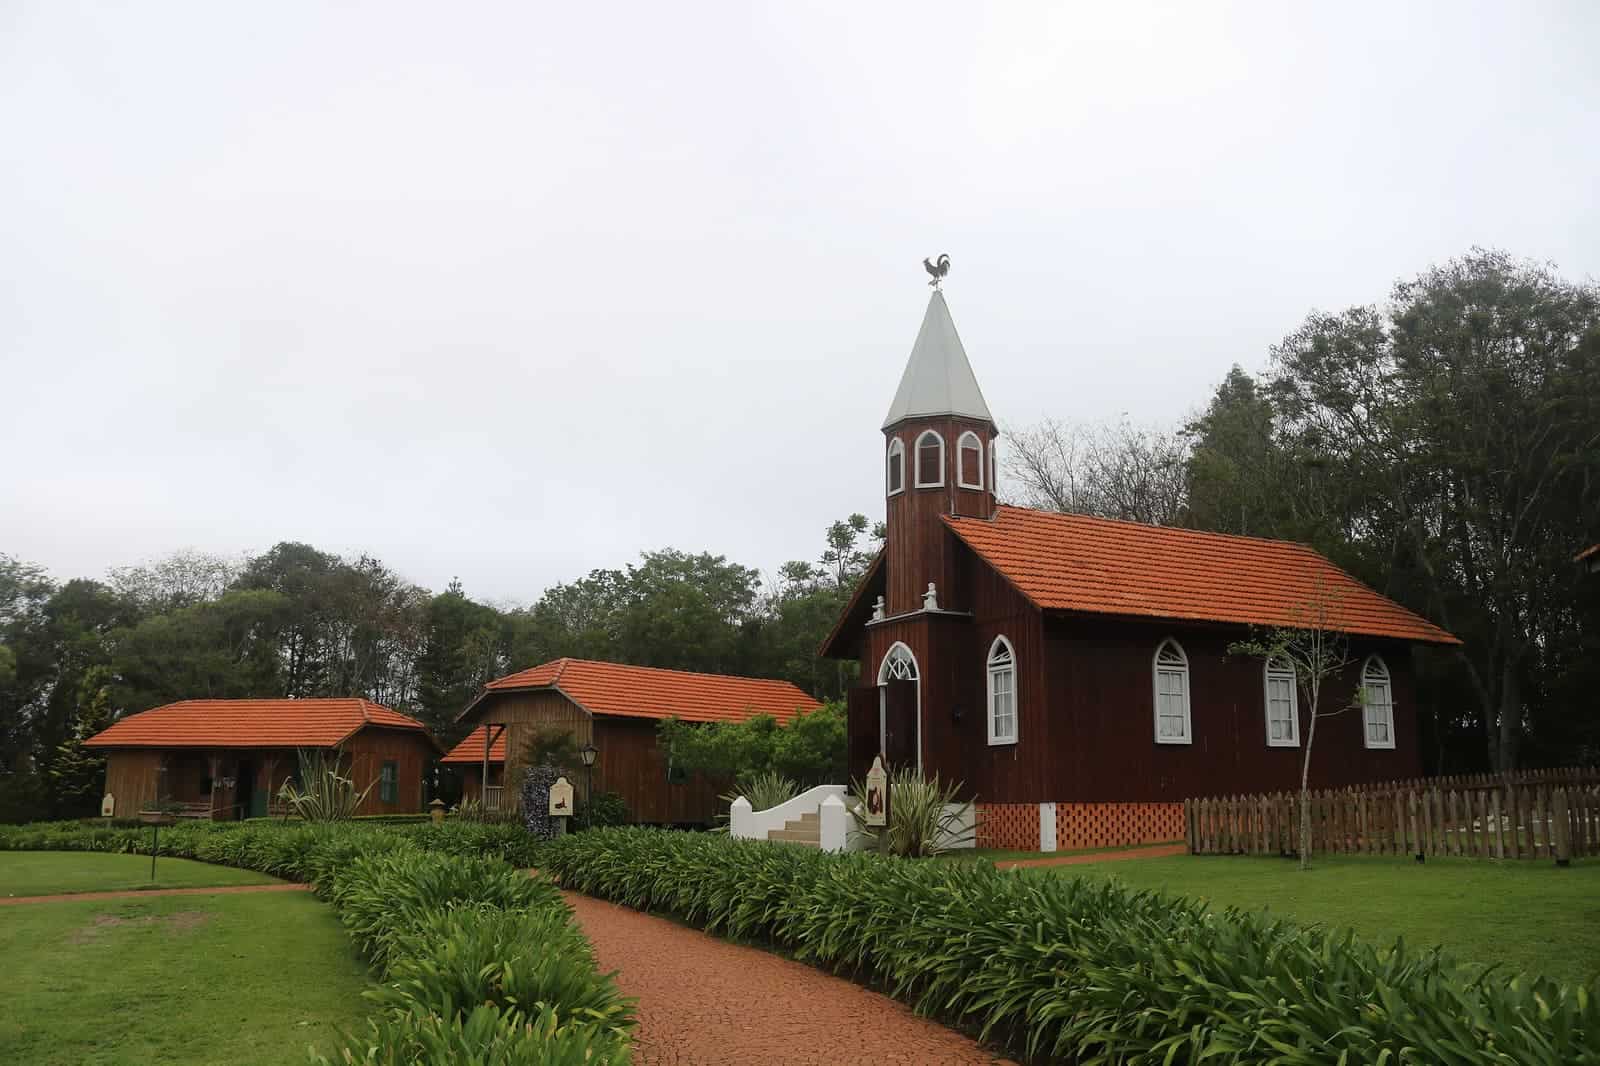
[
  {"x": 327, "y": 794},
  {"x": 924, "y": 815}
]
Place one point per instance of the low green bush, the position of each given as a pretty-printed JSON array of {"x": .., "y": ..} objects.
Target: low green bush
[
  {"x": 488, "y": 1036},
  {"x": 1058, "y": 969}
]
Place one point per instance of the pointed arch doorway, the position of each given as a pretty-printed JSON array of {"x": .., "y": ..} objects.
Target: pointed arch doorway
[{"x": 899, "y": 698}]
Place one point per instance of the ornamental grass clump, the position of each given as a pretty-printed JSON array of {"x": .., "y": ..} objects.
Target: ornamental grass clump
[
  {"x": 326, "y": 795},
  {"x": 924, "y": 816},
  {"x": 486, "y": 1036},
  {"x": 1068, "y": 970}
]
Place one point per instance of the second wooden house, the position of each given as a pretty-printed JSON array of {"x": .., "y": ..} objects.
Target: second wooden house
[{"x": 616, "y": 709}]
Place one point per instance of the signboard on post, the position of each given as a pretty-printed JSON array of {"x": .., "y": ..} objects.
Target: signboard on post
[
  {"x": 561, "y": 798},
  {"x": 108, "y": 806},
  {"x": 877, "y": 798}
]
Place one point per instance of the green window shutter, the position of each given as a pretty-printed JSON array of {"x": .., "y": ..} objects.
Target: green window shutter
[{"x": 389, "y": 783}]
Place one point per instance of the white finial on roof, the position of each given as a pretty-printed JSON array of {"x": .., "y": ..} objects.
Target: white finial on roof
[{"x": 938, "y": 379}]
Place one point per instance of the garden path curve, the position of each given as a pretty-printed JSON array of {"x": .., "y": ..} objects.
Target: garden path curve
[
  {"x": 702, "y": 1000},
  {"x": 146, "y": 893}
]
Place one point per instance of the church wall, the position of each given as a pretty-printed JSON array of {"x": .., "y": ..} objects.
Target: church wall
[
  {"x": 919, "y": 548},
  {"x": 1101, "y": 707}
]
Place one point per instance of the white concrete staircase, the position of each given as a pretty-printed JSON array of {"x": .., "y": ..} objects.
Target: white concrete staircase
[{"x": 805, "y": 831}]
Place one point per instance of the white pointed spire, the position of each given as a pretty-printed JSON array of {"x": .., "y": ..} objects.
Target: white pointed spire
[{"x": 938, "y": 379}]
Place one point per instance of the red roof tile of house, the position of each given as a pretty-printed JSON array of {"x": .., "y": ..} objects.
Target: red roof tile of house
[
  {"x": 650, "y": 692},
  {"x": 1096, "y": 565},
  {"x": 470, "y": 751},
  {"x": 317, "y": 723}
]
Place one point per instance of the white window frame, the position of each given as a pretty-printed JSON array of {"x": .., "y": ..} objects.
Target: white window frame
[
  {"x": 1156, "y": 670},
  {"x": 897, "y": 449},
  {"x": 1280, "y": 670},
  {"x": 961, "y": 445},
  {"x": 994, "y": 670},
  {"x": 916, "y": 451},
  {"x": 1384, "y": 682}
]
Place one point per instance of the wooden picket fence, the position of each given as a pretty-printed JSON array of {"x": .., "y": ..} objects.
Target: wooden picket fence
[{"x": 1559, "y": 821}]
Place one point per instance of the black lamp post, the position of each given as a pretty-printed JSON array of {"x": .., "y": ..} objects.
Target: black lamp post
[{"x": 587, "y": 754}]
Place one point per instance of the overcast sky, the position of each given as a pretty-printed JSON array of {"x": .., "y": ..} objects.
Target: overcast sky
[{"x": 515, "y": 291}]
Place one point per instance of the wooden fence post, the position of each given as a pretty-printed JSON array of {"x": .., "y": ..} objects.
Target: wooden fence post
[
  {"x": 1562, "y": 826},
  {"x": 1499, "y": 825},
  {"x": 1414, "y": 844}
]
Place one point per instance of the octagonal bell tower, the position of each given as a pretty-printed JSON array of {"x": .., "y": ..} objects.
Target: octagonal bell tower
[{"x": 938, "y": 460}]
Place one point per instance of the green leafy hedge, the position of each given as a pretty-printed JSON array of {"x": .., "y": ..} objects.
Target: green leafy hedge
[
  {"x": 479, "y": 963},
  {"x": 1081, "y": 970}
]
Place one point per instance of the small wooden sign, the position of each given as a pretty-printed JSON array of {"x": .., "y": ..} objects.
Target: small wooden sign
[
  {"x": 561, "y": 798},
  {"x": 877, "y": 798},
  {"x": 108, "y": 806}
]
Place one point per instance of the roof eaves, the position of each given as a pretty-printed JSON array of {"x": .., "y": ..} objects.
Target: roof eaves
[{"x": 851, "y": 604}]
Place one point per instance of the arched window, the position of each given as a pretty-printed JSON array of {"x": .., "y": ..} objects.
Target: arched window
[
  {"x": 930, "y": 460},
  {"x": 898, "y": 665},
  {"x": 897, "y": 466},
  {"x": 1283, "y": 705},
  {"x": 1377, "y": 704},
  {"x": 1002, "y": 693},
  {"x": 1172, "y": 694},
  {"x": 969, "y": 461}
]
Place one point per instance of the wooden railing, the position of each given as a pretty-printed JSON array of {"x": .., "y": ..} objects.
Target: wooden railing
[
  {"x": 1498, "y": 821},
  {"x": 492, "y": 795}
]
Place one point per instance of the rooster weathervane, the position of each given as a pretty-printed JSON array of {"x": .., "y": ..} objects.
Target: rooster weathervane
[{"x": 938, "y": 268}]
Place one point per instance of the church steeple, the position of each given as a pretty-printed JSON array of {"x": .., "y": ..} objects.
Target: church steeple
[
  {"x": 939, "y": 460},
  {"x": 938, "y": 379}
]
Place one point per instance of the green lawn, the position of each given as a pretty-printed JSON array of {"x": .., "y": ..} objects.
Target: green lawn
[
  {"x": 44, "y": 873},
  {"x": 1528, "y": 916},
  {"x": 248, "y": 978}
]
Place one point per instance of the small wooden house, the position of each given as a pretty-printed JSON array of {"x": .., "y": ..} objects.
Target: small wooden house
[
  {"x": 616, "y": 709},
  {"x": 227, "y": 759}
]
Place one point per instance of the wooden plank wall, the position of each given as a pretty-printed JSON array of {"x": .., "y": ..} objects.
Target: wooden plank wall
[
  {"x": 369, "y": 749},
  {"x": 1508, "y": 821},
  {"x": 132, "y": 777}
]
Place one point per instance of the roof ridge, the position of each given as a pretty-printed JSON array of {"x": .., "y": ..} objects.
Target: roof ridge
[
  {"x": 1073, "y": 516},
  {"x": 685, "y": 673}
]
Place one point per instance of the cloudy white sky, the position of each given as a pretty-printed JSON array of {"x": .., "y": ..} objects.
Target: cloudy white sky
[{"x": 515, "y": 291}]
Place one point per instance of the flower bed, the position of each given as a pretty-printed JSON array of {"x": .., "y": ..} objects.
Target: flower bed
[{"x": 1079, "y": 970}]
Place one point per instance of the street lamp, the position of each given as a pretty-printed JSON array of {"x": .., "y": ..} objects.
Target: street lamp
[{"x": 587, "y": 754}]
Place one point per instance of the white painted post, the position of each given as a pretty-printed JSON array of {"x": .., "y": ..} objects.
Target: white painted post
[
  {"x": 1047, "y": 827},
  {"x": 835, "y": 824},
  {"x": 740, "y": 816}
]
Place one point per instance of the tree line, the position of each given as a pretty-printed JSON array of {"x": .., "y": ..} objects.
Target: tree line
[
  {"x": 298, "y": 622},
  {"x": 1443, "y": 446}
]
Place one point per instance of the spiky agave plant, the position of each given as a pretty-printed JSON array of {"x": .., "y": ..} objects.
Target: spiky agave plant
[
  {"x": 763, "y": 790},
  {"x": 924, "y": 815},
  {"x": 327, "y": 795}
]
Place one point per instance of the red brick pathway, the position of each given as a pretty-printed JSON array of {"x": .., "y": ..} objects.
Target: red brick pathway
[
  {"x": 1156, "y": 852},
  {"x": 706, "y": 1001},
  {"x": 64, "y": 897}
]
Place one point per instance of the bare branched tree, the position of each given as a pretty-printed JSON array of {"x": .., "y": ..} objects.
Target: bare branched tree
[
  {"x": 1316, "y": 652},
  {"x": 1109, "y": 470}
]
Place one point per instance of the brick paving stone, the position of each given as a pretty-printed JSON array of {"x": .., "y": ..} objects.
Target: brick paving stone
[
  {"x": 1158, "y": 852},
  {"x": 707, "y": 1002}
]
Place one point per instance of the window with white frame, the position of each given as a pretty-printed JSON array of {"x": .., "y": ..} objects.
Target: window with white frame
[
  {"x": 898, "y": 665},
  {"x": 930, "y": 460},
  {"x": 1377, "y": 704},
  {"x": 1172, "y": 694},
  {"x": 1002, "y": 693},
  {"x": 1283, "y": 705},
  {"x": 896, "y": 466},
  {"x": 969, "y": 461}
]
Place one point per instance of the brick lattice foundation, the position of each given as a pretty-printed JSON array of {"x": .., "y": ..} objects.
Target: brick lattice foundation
[
  {"x": 1011, "y": 826},
  {"x": 1105, "y": 825}
]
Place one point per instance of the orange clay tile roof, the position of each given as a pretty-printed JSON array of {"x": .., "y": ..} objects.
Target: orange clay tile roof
[
  {"x": 649, "y": 692},
  {"x": 250, "y": 724},
  {"x": 470, "y": 751},
  {"x": 1096, "y": 565}
]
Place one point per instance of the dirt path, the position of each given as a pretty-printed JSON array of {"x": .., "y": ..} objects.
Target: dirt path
[
  {"x": 63, "y": 897},
  {"x": 1156, "y": 852},
  {"x": 706, "y": 1001}
]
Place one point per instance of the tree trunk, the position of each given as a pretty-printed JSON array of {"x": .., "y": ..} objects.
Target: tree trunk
[
  {"x": 1305, "y": 794},
  {"x": 1503, "y": 757}
]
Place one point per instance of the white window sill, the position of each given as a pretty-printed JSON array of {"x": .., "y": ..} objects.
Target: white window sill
[{"x": 1173, "y": 740}]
